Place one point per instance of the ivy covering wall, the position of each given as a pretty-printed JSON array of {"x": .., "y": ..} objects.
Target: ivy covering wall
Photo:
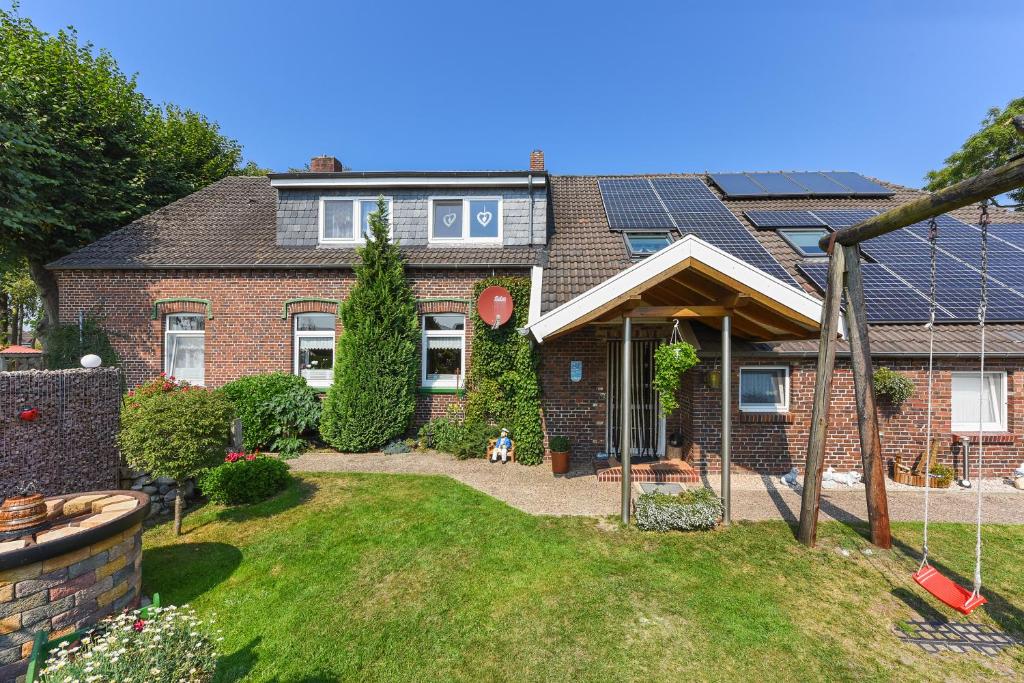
[{"x": 503, "y": 382}]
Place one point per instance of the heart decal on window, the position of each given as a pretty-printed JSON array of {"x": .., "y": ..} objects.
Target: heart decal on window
[
  {"x": 484, "y": 217},
  {"x": 448, "y": 219}
]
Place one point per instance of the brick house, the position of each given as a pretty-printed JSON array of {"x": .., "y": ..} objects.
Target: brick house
[{"x": 246, "y": 275}]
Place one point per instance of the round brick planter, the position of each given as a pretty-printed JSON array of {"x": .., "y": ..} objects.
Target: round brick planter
[{"x": 83, "y": 567}]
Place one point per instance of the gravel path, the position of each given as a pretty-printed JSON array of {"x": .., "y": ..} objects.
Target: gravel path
[{"x": 537, "y": 491}]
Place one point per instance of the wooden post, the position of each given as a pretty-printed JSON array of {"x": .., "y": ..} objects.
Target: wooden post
[
  {"x": 808, "y": 531},
  {"x": 864, "y": 391}
]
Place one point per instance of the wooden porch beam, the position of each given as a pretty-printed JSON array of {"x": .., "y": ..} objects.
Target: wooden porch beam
[{"x": 679, "y": 312}]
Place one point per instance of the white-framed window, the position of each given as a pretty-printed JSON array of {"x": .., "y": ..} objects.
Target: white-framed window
[
  {"x": 804, "y": 240},
  {"x": 185, "y": 347},
  {"x": 444, "y": 350},
  {"x": 968, "y": 411},
  {"x": 339, "y": 218},
  {"x": 314, "y": 348},
  {"x": 764, "y": 389},
  {"x": 641, "y": 244},
  {"x": 465, "y": 219}
]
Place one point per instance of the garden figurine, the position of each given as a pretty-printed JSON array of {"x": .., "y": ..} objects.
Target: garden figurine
[{"x": 501, "y": 447}]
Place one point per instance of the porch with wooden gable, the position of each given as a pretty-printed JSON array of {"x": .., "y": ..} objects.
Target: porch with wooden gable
[{"x": 690, "y": 280}]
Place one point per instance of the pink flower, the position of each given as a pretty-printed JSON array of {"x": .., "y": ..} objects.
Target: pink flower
[{"x": 138, "y": 625}]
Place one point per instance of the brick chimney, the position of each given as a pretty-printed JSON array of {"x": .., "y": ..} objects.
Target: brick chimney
[
  {"x": 329, "y": 164},
  {"x": 537, "y": 160}
]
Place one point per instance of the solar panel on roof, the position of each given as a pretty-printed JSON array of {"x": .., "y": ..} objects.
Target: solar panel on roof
[
  {"x": 886, "y": 297},
  {"x": 841, "y": 218},
  {"x": 778, "y": 185},
  {"x": 784, "y": 219},
  {"x": 737, "y": 185},
  {"x": 858, "y": 184},
  {"x": 818, "y": 183},
  {"x": 631, "y": 204}
]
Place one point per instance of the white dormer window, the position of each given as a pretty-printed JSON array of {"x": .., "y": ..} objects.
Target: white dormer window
[
  {"x": 340, "y": 215},
  {"x": 465, "y": 219}
]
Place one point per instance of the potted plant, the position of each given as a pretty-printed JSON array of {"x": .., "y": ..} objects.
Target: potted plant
[
  {"x": 893, "y": 385},
  {"x": 559, "y": 447},
  {"x": 670, "y": 362},
  {"x": 675, "y": 447}
]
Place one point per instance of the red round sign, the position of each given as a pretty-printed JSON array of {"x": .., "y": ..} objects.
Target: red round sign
[{"x": 495, "y": 306}]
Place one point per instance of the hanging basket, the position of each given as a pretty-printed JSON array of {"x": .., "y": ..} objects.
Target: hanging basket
[{"x": 670, "y": 362}]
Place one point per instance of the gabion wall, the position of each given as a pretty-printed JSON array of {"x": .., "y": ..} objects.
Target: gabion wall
[{"x": 71, "y": 444}]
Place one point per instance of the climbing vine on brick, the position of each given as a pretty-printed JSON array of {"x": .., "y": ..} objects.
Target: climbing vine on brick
[{"x": 503, "y": 383}]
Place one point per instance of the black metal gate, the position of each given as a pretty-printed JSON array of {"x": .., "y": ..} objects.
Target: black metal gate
[{"x": 648, "y": 427}]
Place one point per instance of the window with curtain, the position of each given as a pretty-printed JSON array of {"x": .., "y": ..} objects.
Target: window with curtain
[
  {"x": 444, "y": 350},
  {"x": 314, "y": 348},
  {"x": 971, "y": 409},
  {"x": 185, "y": 347},
  {"x": 764, "y": 390}
]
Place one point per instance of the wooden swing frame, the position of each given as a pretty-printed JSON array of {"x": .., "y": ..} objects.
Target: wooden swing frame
[{"x": 844, "y": 276}]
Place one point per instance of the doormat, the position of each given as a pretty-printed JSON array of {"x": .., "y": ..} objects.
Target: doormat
[{"x": 933, "y": 636}]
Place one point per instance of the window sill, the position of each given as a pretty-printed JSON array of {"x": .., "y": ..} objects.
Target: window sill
[
  {"x": 989, "y": 437},
  {"x": 766, "y": 418},
  {"x": 441, "y": 390}
]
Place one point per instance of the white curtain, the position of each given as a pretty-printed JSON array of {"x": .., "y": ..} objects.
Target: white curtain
[
  {"x": 185, "y": 357},
  {"x": 965, "y": 400},
  {"x": 763, "y": 387},
  {"x": 444, "y": 342}
]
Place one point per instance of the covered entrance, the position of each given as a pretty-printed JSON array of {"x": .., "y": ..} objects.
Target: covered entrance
[{"x": 689, "y": 280}]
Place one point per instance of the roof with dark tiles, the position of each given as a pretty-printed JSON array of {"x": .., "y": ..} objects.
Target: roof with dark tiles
[{"x": 233, "y": 224}]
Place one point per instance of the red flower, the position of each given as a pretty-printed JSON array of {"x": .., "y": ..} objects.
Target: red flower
[
  {"x": 138, "y": 625},
  {"x": 250, "y": 457}
]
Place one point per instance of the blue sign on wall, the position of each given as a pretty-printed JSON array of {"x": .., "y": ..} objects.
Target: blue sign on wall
[{"x": 575, "y": 370}]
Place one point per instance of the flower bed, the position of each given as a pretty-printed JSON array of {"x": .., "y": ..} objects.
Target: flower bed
[{"x": 691, "y": 510}]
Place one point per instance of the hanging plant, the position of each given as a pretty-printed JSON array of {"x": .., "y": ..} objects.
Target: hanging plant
[
  {"x": 670, "y": 362},
  {"x": 894, "y": 385}
]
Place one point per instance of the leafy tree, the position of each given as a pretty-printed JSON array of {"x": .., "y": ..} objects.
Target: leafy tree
[
  {"x": 993, "y": 145},
  {"x": 19, "y": 303},
  {"x": 83, "y": 151},
  {"x": 377, "y": 365}
]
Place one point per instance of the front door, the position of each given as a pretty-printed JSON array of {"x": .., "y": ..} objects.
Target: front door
[{"x": 648, "y": 426}]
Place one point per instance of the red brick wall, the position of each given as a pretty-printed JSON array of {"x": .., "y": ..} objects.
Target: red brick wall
[
  {"x": 771, "y": 443},
  {"x": 247, "y": 333}
]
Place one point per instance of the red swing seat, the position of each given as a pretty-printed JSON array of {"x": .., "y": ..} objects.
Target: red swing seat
[{"x": 948, "y": 591}]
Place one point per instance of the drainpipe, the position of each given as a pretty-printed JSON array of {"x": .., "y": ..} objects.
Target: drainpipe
[
  {"x": 529, "y": 185},
  {"x": 726, "y": 417},
  {"x": 625, "y": 403}
]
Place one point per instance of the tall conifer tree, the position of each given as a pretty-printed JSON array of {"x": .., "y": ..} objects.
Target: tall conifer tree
[{"x": 376, "y": 366}]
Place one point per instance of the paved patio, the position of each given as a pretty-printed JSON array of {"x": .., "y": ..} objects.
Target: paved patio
[{"x": 537, "y": 491}]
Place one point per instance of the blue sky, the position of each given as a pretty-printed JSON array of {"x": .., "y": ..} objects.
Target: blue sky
[{"x": 884, "y": 88}]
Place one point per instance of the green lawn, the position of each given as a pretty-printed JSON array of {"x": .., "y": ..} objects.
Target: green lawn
[{"x": 409, "y": 578}]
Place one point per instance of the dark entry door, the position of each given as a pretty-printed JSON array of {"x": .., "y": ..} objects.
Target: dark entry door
[{"x": 648, "y": 427}]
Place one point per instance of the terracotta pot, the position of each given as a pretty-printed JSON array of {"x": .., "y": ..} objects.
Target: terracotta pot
[
  {"x": 21, "y": 512},
  {"x": 559, "y": 462},
  {"x": 673, "y": 452}
]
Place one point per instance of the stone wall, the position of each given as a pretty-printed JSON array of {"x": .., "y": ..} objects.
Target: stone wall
[
  {"x": 65, "y": 593},
  {"x": 71, "y": 445}
]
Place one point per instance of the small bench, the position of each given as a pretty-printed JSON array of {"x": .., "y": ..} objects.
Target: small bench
[{"x": 511, "y": 451}]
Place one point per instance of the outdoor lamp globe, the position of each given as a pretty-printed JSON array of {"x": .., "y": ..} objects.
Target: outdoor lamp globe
[{"x": 91, "y": 361}]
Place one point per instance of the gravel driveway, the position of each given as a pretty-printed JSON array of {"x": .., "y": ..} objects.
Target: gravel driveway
[{"x": 537, "y": 491}]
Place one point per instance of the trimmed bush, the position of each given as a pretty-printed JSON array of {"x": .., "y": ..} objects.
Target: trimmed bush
[
  {"x": 559, "y": 444},
  {"x": 893, "y": 385},
  {"x": 691, "y": 510},
  {"x": 242, "y": 479},
  {"x": 171, "y": 429},
  {"x": 462, "y": 438},
  {"x": 276, "y": 409},
  {"x": 504, "y": 389},
  {"x": 377, "y": 363}
]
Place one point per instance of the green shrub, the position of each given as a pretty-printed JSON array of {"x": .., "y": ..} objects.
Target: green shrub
[
  {"x": 170, "y": 640},
  {"x": 670, "y": 362},
  {"x": 894, "y": 385},
  {"x": 559, "y": 444},
  {"x": 377, "y": 363},
  {"x": 462, "y": 438},
  {"x": 504, "y": 388},
  {"x": 244, "y": 479},
  {"x": 276, "y": 409},
  {"x": 942, "y": 476},
  {"x": 65, "y": 344},
  {"x": 693, "y": 509},
  {"x": 171, "y": 429}
]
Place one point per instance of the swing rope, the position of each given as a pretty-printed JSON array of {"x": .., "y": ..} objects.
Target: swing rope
[
  {"x": 982, "y": 312},
  {"x": 933, "y": 235}
]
